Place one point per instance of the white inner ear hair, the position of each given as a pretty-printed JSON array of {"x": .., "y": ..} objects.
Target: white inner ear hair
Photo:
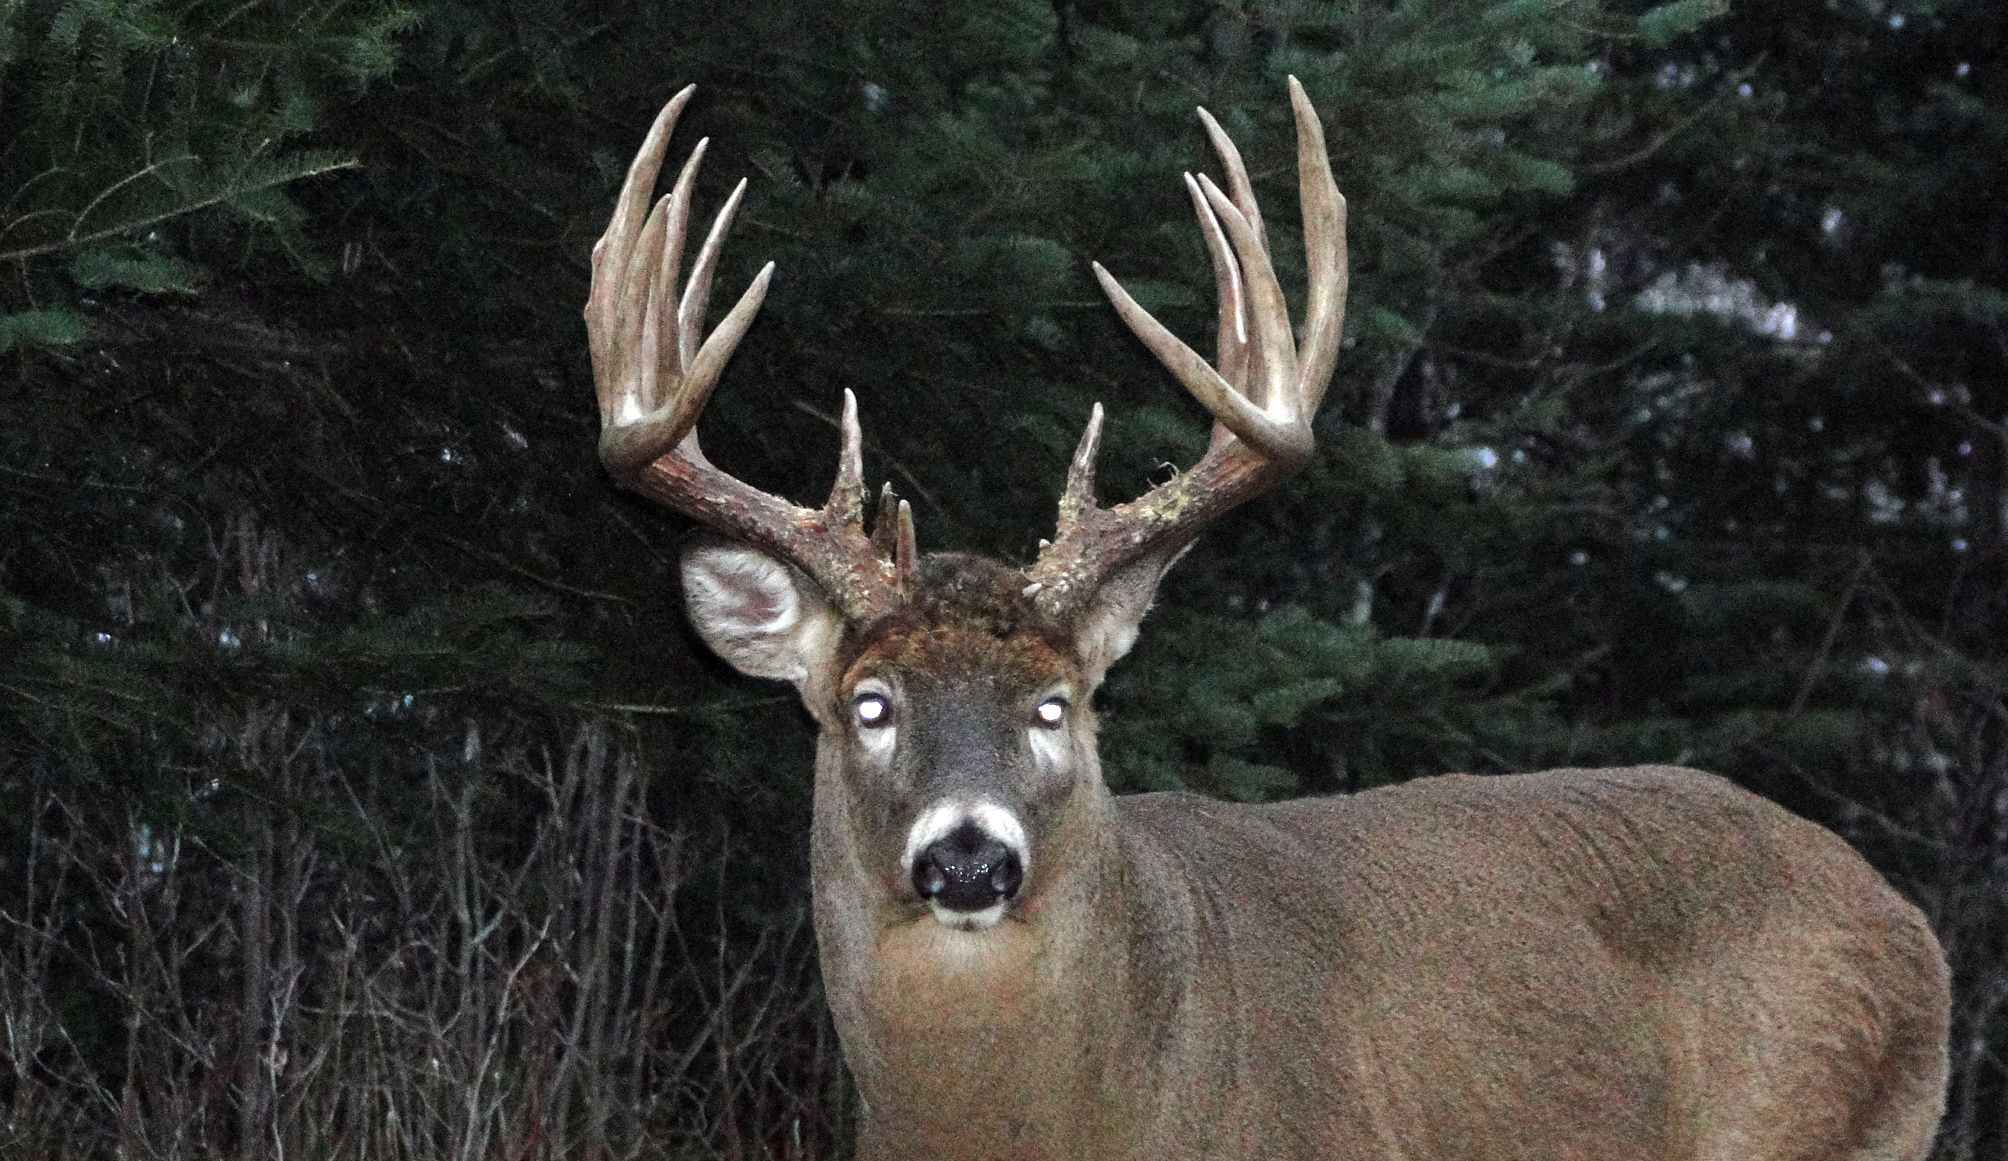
[{"x": 744, "y": 593}]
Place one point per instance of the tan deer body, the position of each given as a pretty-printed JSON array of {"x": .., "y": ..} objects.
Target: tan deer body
[
  {"x": 1455, "y": 968},
  {"x": 1642, "y": 963}
]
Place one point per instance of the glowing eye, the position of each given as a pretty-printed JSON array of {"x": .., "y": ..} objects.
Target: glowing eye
[
  {"x": 1051, "y": 712},
  {"x": 874, "y": 711}
]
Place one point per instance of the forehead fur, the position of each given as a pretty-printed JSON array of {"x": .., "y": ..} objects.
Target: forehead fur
[{"x": 967, "y": 617}]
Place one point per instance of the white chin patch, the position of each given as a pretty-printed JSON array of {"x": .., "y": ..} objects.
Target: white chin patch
[{"x": 982, "y": 920}]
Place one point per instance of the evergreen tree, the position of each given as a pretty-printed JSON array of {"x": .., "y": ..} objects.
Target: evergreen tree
[{"x": 1668, "y": 428}]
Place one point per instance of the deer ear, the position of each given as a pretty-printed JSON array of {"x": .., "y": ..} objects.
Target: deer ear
[
  {"x": 763, "y": 617},
  {"x": 1108, "y": 626}
]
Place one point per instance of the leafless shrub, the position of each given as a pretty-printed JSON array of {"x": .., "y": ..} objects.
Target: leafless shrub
[
  {"x": 284, "y": 971},
  {"x": 1967, "y": 899},
  {"x": 1945, "y": 844}
]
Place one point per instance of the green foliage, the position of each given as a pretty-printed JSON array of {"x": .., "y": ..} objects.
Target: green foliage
[
  {"x": 143, "y": 128},
  {"x": 1201, "y": 694},
  {"x": 1659, "y": 25},
  {"x": 95, "y": 269},
  {"x": 53, "y": 326}
]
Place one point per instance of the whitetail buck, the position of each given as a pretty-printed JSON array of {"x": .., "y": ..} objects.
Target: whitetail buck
[{"x": 1620, "y": 965}]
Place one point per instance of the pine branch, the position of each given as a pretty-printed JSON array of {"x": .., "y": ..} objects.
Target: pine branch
[{"x": 267, "y": 179}]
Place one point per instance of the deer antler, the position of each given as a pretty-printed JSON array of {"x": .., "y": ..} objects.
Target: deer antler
[
  {"x": 653, "y": 376},
  {"x": 1262, "y": 392}
]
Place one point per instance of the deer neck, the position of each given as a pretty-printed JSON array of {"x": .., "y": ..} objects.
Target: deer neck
[{"x": 938, "y": 1024}]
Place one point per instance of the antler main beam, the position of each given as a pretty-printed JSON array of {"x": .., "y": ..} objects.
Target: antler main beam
[
  {"x": 653, "y": 376},
  {"x": 1262, "y": 389}
]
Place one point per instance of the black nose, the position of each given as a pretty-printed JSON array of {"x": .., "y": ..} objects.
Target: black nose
[{"x": 967, "y": 870}]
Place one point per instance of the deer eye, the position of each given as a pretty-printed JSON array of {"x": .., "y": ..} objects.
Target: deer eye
[
  {"x": 1051, "y": 712},
  {"x": 873, "y": 711}
]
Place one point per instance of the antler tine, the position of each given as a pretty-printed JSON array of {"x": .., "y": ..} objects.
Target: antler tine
[
  {"x": 1275, "y": 357},
  {"x": 1324, "y": 211},
  {"x": 846, "y": 504},
  {"x": 1262, "y": 396},
  {"x": 1232, "y": 347},
  {"x": 1238, "y": 185},
  {"x": 905, "y": 556},
  {"x": 653, "y": 377},
  {"x": 885, "y": 538},
  {"x": 617, "y": 246},
  {"x": 1231, "y": 408},
  {"x": 892, "y": 537},
  {"x": 697, "y": 295},
  {"x": 1079, "y": 497},
  {"x": 676, "y": 211}
]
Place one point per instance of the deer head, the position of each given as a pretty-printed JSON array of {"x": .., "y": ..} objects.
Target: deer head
[{"x": 954, "y": 688}]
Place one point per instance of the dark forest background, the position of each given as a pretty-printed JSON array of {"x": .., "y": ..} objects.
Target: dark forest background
[{"x": 362, "y": 791}]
